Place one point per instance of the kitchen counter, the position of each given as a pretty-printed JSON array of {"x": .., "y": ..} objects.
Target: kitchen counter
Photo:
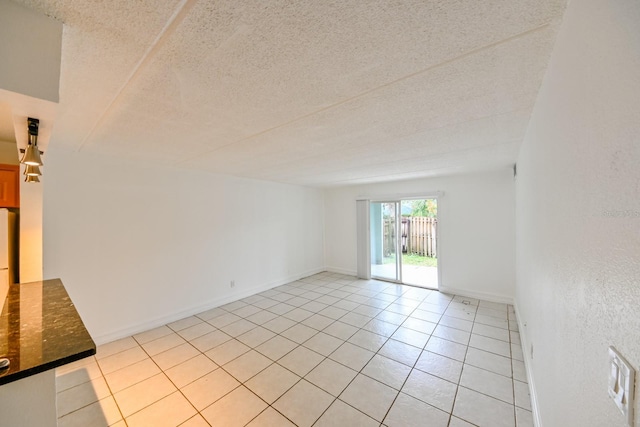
[{"x": 40, "y": 329}]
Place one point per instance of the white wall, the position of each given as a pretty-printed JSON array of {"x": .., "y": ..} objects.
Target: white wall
[
  {"x": 476, "y": 229},
  {"x": 578, "y": 215},
  {"x": 139, "y": 246}
]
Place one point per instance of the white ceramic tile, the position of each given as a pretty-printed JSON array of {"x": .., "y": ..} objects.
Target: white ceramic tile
[
  {"x": 440, "y": 366},
  {"x": 196, "y": 421},
  {"x": 411, "y": 337},
  {"x": 303, "y": 403},
  {"x": 143, "y": 394},
  {"x": 196, "y": 331},
  {"x": 279, "y": 324},
  {"x": 491, "y": 332},
  {"x": 153, "y": 334},
  {"x": 331, "y": 376},
  {"x": 400, "y": 352},
  {"x": 82, "y": 395},
  {"x": 419, "y": 325},
  {"x": 224, "y": 320},
  {"x": 272, "y": 383},
  {"x": 190, "y": 370},
  {"x": 369, "y": 396},
  {"x": 426, "y": 315},
  {"x": 521, "y": 392},
  {"x": 226, "y": 352},
  {"x": 410, "y": 412},
  {"x": 491, "y": 321},
  {"x": 235, "y": 409},
  {"x": 301, "y": 360},
  {"x": 211, "y": 314},
  {"x": 238, "y": 327},
  {"x": 209, "y": 388},
  {"x": 233, "y": 305},
  {"x": 446, "y": 348},
  {"x": 491, "y": 345},
  {"x": 261, "y": 317},
  {"x": 452, "y": 322},
  {"x": 281, "y": 309},
  {"x": 299, "y": 333},
  {"x": 489, "y": 361},
  {"x": 163, "y": 344},
  {"x": 172, "y": 410},
  {"x": 122, "y": 359},
  {"x": 184, "y": 323},
  {"x": 387, "y": 371},
  {"x": 98, "y": 414},
  {"x": 457, "y": 422},
  {"x": 340, "y": 330},
  {"x": 276, "y": 347},
  {"x": 341, "y": 414},
  {"x": 333, "y": 312},
  {"x": 211, "y": 340},
  {"x": 246, "y": 311},
  {"x": 516, "y": 352},
  {"x": 452, "y": 334},
  {"x": 380, "y": 327},
  {"x": 352, "y": 356},
  {"x": 106, "y": 350},
  {"x": 355, "y": 319},
  {"x": 78, "y": 376},
  {"x": 483, "y": 381},
  {"x": 318, "y": 322},
  {"x": 430, "y": 389},
  {"x": 482, "y": 410},
  {"x": 524, "y": 418},
  {"x": 298, "y": 314},
  {"x": 174, "y": 356},
  {"x": 132, "y": 374},
  {"x": 368, "y": 340},
  {"x": 270, "y": 418},
  {"x": 247, "y": 365},
  {"x": 323, "y": 343},
  {"x": 519, "y": 371},
  {"x": 256, "y": 336}
]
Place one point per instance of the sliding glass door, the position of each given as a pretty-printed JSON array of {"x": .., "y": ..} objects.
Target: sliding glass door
[
  {"x": 403, "y": 241},
  {"x": 385, "y": 252}
]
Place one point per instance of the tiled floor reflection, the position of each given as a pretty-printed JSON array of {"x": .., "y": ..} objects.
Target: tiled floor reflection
[{"x": 327, "y": 350}]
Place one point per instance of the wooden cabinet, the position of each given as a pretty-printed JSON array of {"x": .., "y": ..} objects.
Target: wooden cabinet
[{"x": 9, "y": 186}]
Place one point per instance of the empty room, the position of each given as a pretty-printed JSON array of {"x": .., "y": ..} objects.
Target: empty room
[{"x": 314, "y": 213}]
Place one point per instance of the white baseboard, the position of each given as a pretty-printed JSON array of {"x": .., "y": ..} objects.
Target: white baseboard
[
  {"x": 524, "y": 339},
  {"x": 341, "y": 271},
  {"x": 199, "y": 308},
  {"x": 487, "y": 296}
]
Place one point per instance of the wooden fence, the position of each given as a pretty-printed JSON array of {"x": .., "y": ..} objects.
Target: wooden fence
[{"x": 418, "y": 235}]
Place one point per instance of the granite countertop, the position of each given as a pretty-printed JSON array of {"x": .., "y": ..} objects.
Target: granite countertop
[{"x": 40, "y": 329}]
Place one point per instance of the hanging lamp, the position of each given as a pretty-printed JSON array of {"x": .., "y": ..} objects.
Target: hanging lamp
[{"x": 31, "y": 153}]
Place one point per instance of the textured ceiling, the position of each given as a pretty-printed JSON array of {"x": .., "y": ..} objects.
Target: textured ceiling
[{"x": 315, "y": 93}]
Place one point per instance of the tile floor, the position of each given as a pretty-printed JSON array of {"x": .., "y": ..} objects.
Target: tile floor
[{"x": 327, "y": 350}]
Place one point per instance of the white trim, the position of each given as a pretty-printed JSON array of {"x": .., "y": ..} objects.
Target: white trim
[
  {"x": 216, "y": 302},
  {"x": 487, "y": 296},
  {"x": 524, "y": 340},
  {"x": 396, "y": 197}
]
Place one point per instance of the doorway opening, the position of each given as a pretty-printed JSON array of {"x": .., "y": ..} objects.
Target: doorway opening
[{"x": 404, "y": 241}]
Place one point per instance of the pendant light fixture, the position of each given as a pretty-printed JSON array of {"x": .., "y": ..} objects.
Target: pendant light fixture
[
  {"x": 31, "y": 158},
  {"x": 31, "y": 170}
]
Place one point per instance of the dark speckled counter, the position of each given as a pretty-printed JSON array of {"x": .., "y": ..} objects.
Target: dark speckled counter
[{"x": 40, "y": 329}]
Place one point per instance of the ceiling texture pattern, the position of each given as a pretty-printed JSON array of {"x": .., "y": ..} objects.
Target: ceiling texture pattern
[{"x": 317, "y": 93}]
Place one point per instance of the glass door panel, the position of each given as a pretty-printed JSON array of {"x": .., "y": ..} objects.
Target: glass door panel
[{"x": 385, "y": 257}]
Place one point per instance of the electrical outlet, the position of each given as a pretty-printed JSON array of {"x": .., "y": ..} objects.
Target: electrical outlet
[{"x": 232, "y": 284}]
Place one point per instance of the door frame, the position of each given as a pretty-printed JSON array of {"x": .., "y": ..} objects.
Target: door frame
[{"x": 398, "y": 198}]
